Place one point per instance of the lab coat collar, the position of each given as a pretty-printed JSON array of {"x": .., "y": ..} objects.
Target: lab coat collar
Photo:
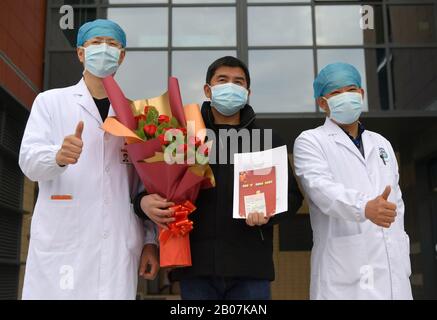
[
  {"x": 335, "y": 132},
  {"x": 85, "y": 100}
]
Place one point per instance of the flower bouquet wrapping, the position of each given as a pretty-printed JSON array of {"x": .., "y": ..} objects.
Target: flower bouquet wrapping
[{"x": 165, "y": 142}]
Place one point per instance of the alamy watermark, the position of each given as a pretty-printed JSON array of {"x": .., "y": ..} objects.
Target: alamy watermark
[
  {"x": 66, "y": 281},
  {"x": 367, "y": 20},
  {"x": 367, "y": 279},
  {"x": 67, "y": 20},
  {"x": 181, "y": 150},
  {"x": 367, "y": 17}
]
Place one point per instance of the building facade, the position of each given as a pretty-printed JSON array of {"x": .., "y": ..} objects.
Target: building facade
[{"x": 22, "y": 30}]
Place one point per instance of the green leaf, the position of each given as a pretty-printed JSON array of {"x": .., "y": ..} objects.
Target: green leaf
[
  {"x": 161, "y": 128},
  {"x": 152, "y": 116},
  {"x": 140, "y": 133},
  {"x": 141, "y": 124},
  {"x": 174, "y": 122}
]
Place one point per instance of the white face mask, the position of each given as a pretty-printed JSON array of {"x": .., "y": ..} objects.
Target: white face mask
[
  {"x": 102, "y": 60},
  {"x": 345, "y": 107},
  {"x": 228, "y": 98}
]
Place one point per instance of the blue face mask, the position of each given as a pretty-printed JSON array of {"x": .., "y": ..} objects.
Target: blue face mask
[
  {"x": 228, "y": 98},
  {"x": 101, "y": 60},
  {"x": 345, "y": 107}
]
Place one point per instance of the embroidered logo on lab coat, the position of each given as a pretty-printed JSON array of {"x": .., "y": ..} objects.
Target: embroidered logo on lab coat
[{"x": 384, "y": 156}]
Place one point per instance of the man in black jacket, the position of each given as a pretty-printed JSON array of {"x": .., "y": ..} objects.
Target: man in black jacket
[{"x": 231, "y": 258}]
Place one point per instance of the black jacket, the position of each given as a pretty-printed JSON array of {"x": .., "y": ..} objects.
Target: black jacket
[{"x": 221, "y": 245}]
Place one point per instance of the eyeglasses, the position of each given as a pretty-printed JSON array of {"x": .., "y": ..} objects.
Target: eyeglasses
[{"x": 110, "y": 42}]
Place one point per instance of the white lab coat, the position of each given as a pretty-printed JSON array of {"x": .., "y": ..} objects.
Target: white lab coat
[
  {"x": 352, "y": 258},
  {"x": 88, "y": 247}
]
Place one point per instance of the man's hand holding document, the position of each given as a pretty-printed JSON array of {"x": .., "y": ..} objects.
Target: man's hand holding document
[{"x": 260, "y": 183}]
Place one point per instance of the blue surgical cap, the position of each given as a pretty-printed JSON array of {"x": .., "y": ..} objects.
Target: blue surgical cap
[
  {"x": 335, "y": 76},
  {"x": 100, "y": 28}
]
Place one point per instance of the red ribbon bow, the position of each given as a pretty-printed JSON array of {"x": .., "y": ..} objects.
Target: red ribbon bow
[{"x": 182, "y": 225}]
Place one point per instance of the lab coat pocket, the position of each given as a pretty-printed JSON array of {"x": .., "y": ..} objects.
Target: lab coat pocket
[
  {"x": 57, "y": 226},
  {"x": 345, "y": 259}
]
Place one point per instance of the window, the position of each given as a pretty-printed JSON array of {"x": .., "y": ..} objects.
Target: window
[
  {"x": 204, "y": 27},
  {"x": 340, "y": 25},
  {"x": 143, "y": 74},
  {"x": 281, "y": 26},
  {"x": 281, "y": 80},
  {"x": 144, "y": 27},
  {"x": 415, "y": 86},
  {"x": 284, "y": 42},
  {"x": 190, "y": 68},
  {"x": 413, "y": 24}
]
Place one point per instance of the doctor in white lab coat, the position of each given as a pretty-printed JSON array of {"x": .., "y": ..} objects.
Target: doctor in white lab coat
[
  {"x": 86, "y": 242},
  {"x": 351, "y": 180}
]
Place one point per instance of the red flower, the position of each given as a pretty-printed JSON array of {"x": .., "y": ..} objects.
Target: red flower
[
  {"x": 146, "y": 109},
  {"x": 140, "y": 117},
  {"x": 204, "y": 151},
  {"x": 150, "y": 130},
  {"x": 197, "y": 142},
  {"x": 161, "y": 138},
  {"x": 163, "y": 118},
  {"x": 184, "y": 131}
]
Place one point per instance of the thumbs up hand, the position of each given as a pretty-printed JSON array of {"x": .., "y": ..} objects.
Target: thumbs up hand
[
  {"x": 386, "y": 192},
  {"x": 380, "y": 211},
  {"x": 79, "y": 130},
  {"x": 71, "y": 147}
]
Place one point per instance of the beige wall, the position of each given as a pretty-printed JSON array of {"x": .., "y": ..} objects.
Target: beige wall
[{"x": 292, "y": 273}]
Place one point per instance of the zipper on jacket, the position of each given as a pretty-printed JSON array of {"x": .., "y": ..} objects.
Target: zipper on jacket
[{"x": 261, "y": 233}]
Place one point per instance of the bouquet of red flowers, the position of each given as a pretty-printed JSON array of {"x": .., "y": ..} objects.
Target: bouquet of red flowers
[
  {"x": 152, "y": 125},
  {"x": 170, "y": 158}
]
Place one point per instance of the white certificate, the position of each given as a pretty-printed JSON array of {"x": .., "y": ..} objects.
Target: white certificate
[
  {"x": 255, "y": 203},
  {"x": 259, "y": 161}
]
